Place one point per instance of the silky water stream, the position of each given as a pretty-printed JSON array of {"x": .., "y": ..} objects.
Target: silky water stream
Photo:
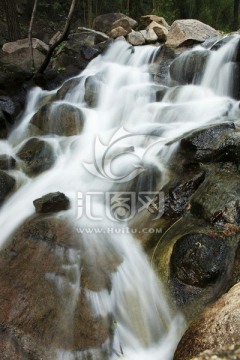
[{"x": 125, "y": 134}]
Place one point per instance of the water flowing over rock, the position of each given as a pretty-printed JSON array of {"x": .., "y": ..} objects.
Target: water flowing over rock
[
  {"x": 37, "y": 156},
  {"x": 7, "y": 162},
  {"x": 189, "y": 67},
  {"x": 62, "y": 119},
  {"x": 185, "y": 32},
  {"x": 7, "y": 183}
]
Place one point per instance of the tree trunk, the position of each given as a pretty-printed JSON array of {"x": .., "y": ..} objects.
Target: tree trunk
[
  {"x": 90, "y": 13},
  {"x": 235, "y": 15},
  {"x": 12, "y": 20},
  {"x": 60, "y": 40},
  {"x": 30, "y": 33}
]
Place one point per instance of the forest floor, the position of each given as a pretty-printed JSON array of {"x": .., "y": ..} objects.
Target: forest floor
[{"x": 44, "y": 27}]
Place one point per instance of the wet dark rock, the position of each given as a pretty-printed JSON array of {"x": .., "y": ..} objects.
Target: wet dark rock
[
  {"x": 178, "y": 198},
  {"x": 37, "y": 156},
  {"x": 3, "y": 125},
  {"x": 161, "y": 62},
  {"x": 52, "y": 202},
  {"x": 79, "y": 50},
  {"x": 214, "y": 329},
  {"x": 12, "y": 78},
  {"x": 92, "y": 87},
  {"x": 198, "y": 259},
  {"x": 89, "y": 53},
  {"x": 7, "y": 162},
  {"x": 212, "y": 41},
  {"x": 7, "y": 184},
  {"x": 68, "y": 86},
  {"x": 200, "y": 268},
  {"x": 7, "y": 105},
  {"x": 189, "y": 66},
  {"x": 221, "y": 42},
  {"x": 218, "y": 197},
  {"x": 160, "y": 92},
  {"x": 217, "y": 143},
  {"x": 62, "y": 120}
]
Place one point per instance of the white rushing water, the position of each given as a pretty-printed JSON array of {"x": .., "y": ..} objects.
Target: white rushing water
[{"x": 129, "y": 121}]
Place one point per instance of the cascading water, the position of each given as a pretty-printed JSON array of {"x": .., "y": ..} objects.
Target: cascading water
[{"x": 125, "y": 134}]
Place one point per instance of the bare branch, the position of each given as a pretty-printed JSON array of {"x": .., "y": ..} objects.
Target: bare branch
[
  {"x": 30, "y": 33},
  {"x": 60, "y": 40}
]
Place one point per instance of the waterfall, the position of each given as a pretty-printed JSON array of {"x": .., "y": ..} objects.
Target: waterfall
[
  {"x": 126, "y": 135},
  {"x": 219, "y": 74}
]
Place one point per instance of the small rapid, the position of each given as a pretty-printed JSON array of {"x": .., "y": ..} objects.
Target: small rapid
[{"x": 127, "y": 132}]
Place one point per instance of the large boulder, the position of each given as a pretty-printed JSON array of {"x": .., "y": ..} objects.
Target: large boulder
[
  {"x": 227, "y": 352},
  {"x": 189, "y": 66},
  {"x": 41, "y": 272},
  {"x": 136, "y": 38},
  {"x": 160, "y": 30},
  {"x": 216, "y": 143},
  {"x": 37, "y": 156},
  {"x": 198, "y": 259},
  {"x": 80, "y": 48},
  {"x": 51, "y": 203},
  {"x": 7, "y": 184},
  {"x": 123, "y": 23},
  {"x": 188, "y": 32},
  {"x": 58, "y": 119},
  {"x": 18, "y": 53},
  {"x": 92, "y": 89},
  {"x": 24, "y": 43},
  {"x": 146, "y": 20},
  {"x": 7, "y": 162},
  {"x": 149, "y": 35},
  {"x": 67, "y": 87},
  {"x": 118, "y": 32},
  {"x": 217, "y": 198},
  {"x": 217, "y": 326},
  {"x": 105, "y": 22}
]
